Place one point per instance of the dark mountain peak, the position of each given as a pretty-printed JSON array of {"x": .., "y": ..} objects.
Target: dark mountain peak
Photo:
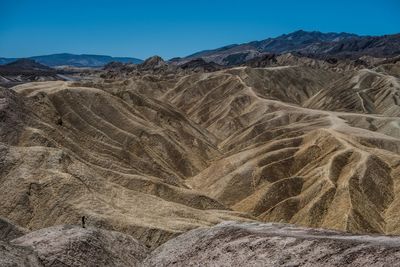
[
  {"x": 27, "y": 64},
  {"x": 299, "y": 33},
  {"x": 153, "y": 62},
  {"x": 302, "y": 31},
  {"x": 154, "y": 59}
]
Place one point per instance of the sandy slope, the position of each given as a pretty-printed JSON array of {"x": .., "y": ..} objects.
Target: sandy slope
[{"x": 81, "y": 151}]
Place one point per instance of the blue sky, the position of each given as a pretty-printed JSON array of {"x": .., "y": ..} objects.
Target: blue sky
[{"x": 176, "y": 28}]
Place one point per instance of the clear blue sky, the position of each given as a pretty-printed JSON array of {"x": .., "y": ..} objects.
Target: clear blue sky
[{"x": 176, "y": 28}]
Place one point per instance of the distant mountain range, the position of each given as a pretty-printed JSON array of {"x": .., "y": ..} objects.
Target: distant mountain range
[
  {"x": 315, "y": 44},
  {"x": 312, "y": 44},
  {"x": 66, "y": 59}
]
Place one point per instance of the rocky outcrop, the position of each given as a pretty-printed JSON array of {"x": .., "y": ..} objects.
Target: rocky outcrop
[
  {"x": 200, "y": 65},
  {"x": 76, "y": 246},
  {"x": 152, "y": 63},
  {"x": 9, "y": 230}
]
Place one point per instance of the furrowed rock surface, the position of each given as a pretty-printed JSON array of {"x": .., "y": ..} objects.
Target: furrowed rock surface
[
  {"x": 255, "y": 244},
  {"x": 226, "y": 244}
]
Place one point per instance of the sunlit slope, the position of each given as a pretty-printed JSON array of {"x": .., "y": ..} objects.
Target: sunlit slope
[
  {"x": 82, "y": 151},
  {"x": 286, "y": 163}
]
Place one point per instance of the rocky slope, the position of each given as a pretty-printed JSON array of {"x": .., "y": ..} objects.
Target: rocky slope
[
  {"x": 232, "y": 244},
  {"x": 67, "y": 245}
]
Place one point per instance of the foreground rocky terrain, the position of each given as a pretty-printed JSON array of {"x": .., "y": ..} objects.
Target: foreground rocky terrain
[
  {"x": 149, "y": 152},
  {"x": 226, "y": 244},
  {"x": 255, "y": 244}
]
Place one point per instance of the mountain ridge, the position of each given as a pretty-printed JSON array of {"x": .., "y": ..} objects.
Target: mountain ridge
[{"x": 311, "y": 43}]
